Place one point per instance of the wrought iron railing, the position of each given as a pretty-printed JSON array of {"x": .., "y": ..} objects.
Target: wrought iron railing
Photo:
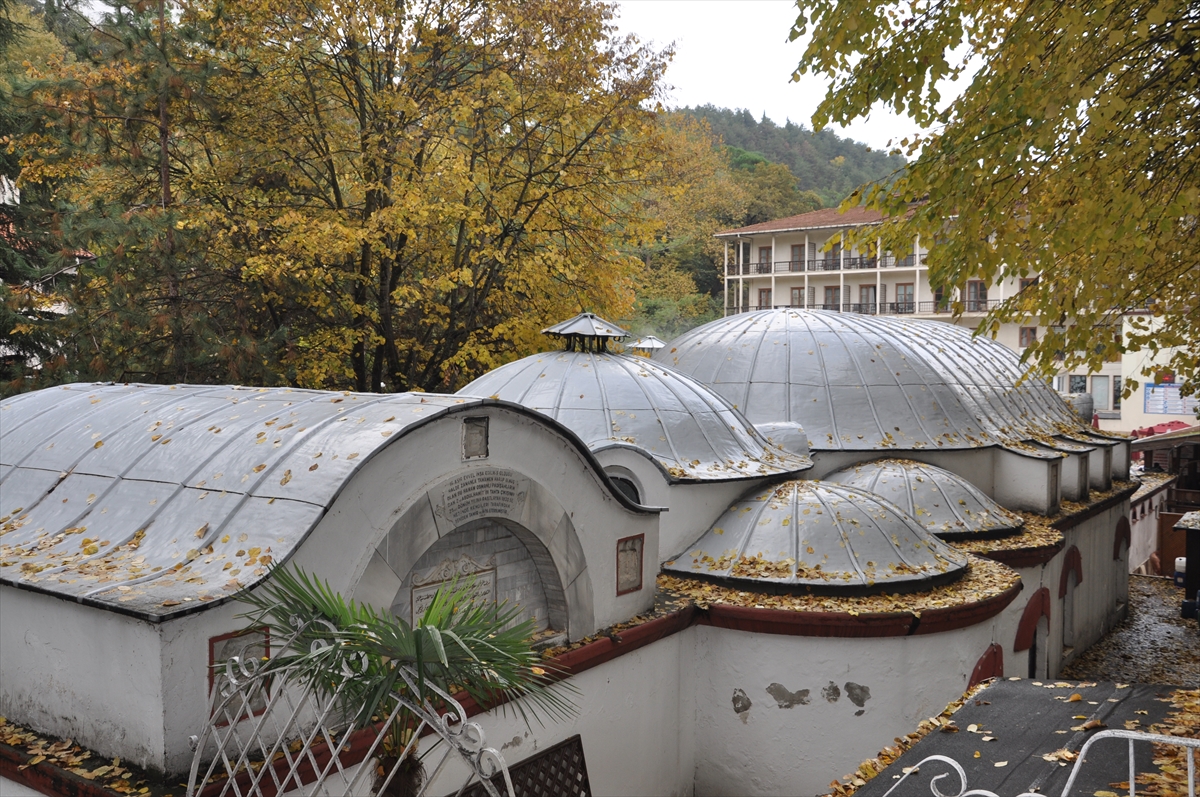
[
  {"x": 846, "y": 263},
  {"x": 1190, "y": 745},
  {"x": 269, "y": 733}
]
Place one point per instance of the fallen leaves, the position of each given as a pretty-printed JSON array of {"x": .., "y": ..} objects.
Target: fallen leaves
[{"x": 984, "y": 579}]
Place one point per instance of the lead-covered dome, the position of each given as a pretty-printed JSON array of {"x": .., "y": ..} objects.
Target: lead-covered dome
[
  {"x": 617, "y": 400},
  {"x": 820, "y": 536},
  {"x": 865, "y": 383},
  {"x": 943, "y": 502}
]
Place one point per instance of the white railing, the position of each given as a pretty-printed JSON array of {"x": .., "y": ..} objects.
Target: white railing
[
  {"x": 1191, "y": 745},
  {"x": 271, "y": 734}
]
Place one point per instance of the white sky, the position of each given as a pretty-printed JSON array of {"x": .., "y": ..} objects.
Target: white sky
[{"x": 735, "y": 54}]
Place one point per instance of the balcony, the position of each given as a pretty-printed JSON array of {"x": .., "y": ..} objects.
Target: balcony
[
  {"x": 847, "y": 263},
  {"x": 881, "y": 308}
]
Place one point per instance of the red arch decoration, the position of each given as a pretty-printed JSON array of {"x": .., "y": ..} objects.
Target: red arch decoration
[
  {"x": 1072, "y": 561},
  {"x": 990, "y": 665},
  {"x": 1123, "y": 533},
  {"x": 1037, "y": 608}
]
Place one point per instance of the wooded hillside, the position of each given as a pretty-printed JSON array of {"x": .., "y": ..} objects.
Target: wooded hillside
[{"x": 823, "y": 162}]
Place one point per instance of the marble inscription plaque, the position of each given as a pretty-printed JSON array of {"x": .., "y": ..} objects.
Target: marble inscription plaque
[
  {"x": 483, "y": 587},
  {"x": 485, "y": 492}
]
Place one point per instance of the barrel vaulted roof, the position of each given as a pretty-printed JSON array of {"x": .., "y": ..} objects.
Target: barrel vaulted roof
[
  {"x": 610, "y": 400},
  {"x": 857, "y": 382}
]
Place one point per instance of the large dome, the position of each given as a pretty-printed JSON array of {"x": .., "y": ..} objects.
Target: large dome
[
  {"x": 865, "y": 383},
  {"x": 820, "y": 536},
  {"x": 944, "y": 503},
  {"x": 617, "y": 400}
]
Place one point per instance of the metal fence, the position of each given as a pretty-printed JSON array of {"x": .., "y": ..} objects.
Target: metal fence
[
  {"x": 1191, "y": 745},
  {"x": 269, "y": 734}
]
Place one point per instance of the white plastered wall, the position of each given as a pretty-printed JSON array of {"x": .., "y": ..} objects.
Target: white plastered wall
[{"x": 770, "y": 750}]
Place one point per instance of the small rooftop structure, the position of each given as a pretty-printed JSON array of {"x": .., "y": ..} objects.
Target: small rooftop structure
[
  {"x": 613, "y": 400},
  {"x": 587, "y": 331},
  {"x": 943, "y": 502},
  {"x": 823, "y": 537},
  {"x": 648, "y": 343},
  {"x": 867, "y": 383}
]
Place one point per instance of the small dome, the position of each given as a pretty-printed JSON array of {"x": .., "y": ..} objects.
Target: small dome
[
  {"x": 943, "y": 502},
  {"x": 618, "y": 400},
  {"x": 821, "y": 536},
  {"x": 867, "y": 383}
]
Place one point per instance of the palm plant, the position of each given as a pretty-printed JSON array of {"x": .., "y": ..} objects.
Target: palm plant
[{"x": 458, "y": 645}]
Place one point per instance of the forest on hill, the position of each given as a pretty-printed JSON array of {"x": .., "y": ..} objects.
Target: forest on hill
[{"x": 824, "y": 162}]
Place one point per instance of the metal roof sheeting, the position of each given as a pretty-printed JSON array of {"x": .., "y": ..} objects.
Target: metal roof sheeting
[
  {"x": 614, "y": 400},
  {"x": 868, "y": 383},
  {"x": 151, "y": 500},
  {"x": 943, "y": 502},
  {"x": 823, "y": 536}
]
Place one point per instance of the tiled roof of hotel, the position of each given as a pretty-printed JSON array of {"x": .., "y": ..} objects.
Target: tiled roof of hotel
[{"x": 813, "y": 220}]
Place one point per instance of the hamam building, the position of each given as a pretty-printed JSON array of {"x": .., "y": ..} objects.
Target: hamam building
[{"x": 855, "y": 516}]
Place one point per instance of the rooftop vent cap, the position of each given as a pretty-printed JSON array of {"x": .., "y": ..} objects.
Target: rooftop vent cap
[{"x": 588, "y": 331}]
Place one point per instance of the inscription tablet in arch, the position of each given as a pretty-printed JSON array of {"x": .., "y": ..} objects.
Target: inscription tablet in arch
[{"x": 479, "y": 493}]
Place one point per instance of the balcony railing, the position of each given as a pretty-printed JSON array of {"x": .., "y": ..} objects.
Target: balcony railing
[
  {"x": 847, "y": 263},
  {"x": 880, "y": 308},
  {"x": 947, "y": 306}
]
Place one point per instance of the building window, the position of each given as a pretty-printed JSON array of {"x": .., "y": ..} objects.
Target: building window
[
  {"x": 976, "y": 296},
  {"x": 833, "y": 297},
  {"x": 866, "y": 298},
  {"x": 797, "y": 254},
  {"x": 797, "y": 297},
  {"x": 904, "y": 298},
  {"x": 1076, "y": 384},
  {"x": 764, "y": 254},
  {"x": 834, "y": 255},
  {"x": 1028, "y": 336},
  {"x": 1116, "y": 403},
  {"x": 940, "y": 302},
  {"x": 1028, "y": 282},
  {"x": 1100, "y": 392},
  {"x": 475, "y": 438},
  {"x": 629, "y": 563},
  {"x": 764, "y": 298}
]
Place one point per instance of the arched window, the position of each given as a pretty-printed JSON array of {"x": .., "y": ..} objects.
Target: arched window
[
  {"x": 1032, "y": 632},
  {"x": 627, "y": 487}
]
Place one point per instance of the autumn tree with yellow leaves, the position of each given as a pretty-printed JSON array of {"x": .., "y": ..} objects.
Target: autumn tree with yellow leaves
[
  {"x": 1073, "y": 154},
  {"x": 371, "y": 196}
]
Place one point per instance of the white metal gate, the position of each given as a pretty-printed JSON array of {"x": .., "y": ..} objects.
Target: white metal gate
[{"x": 270, "y": 734}]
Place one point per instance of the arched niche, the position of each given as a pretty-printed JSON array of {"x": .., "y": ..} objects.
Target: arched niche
[{"x": 496, "y": 522}]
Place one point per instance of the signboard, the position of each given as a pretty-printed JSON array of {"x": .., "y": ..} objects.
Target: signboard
[
  {"x": 464, "y": 569},
  {"x": 1166, "y": 400}
]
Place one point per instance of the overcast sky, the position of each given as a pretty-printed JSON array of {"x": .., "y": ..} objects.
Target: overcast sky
[{"x": 735, "y": 54}]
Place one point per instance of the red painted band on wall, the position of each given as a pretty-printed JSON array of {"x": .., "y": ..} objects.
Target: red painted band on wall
[
  {"x": 1037, "y": 608},
  {"x": 990, "y": 665},
  {"x": 1072, "y": 563},
  {"x": 1123, "y": 533}
]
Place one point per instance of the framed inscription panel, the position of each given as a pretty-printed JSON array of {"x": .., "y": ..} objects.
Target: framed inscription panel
[
  {"x": 464, "y": 571},
  {"x": 629, "y": 563}
]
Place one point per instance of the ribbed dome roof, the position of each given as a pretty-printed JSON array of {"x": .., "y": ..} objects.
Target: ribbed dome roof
[
  {"x": 614, "y": 400},
  {"x": 822, "y": 536},
  {"x": 859, "y": 382},
  {"x": 943, "y": 502}
]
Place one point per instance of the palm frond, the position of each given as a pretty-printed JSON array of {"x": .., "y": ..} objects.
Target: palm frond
[{"x": 457, "y": 644}]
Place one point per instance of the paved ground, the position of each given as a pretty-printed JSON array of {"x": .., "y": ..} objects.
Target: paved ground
[{"x": 1153, "y": 646}]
